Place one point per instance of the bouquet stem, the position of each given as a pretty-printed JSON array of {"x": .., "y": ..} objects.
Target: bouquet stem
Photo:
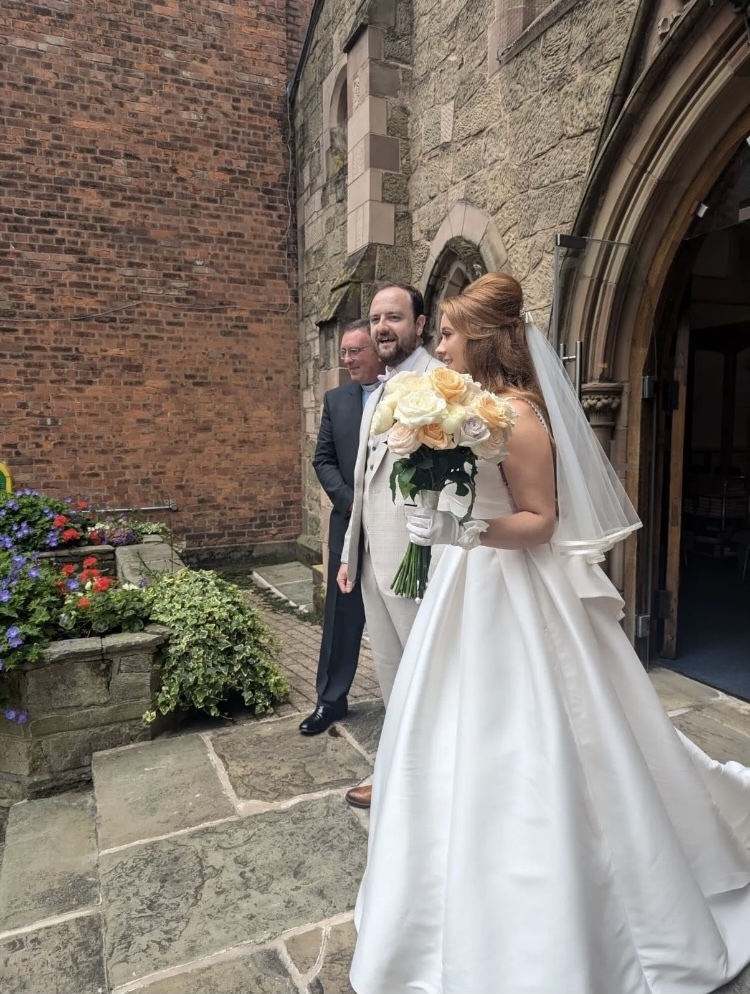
[{"x": 411, "y": 578}]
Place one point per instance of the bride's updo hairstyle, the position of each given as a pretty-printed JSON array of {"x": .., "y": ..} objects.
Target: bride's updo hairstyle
[{"x": 488, "y": 314}]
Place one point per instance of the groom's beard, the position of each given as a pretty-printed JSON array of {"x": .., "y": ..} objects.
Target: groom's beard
[{"x": 393, "y": 351}]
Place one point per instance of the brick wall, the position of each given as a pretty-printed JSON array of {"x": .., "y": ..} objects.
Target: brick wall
[{"x": 148, "y": 333}]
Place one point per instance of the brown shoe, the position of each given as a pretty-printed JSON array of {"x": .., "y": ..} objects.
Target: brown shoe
[{"x": 359, "y": 797}]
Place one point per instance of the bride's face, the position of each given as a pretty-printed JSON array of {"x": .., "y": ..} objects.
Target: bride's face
[{"x": 452, "y": 347}]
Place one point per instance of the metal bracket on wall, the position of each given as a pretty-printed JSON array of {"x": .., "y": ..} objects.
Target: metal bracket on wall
[{"x": 577, "y": 358}]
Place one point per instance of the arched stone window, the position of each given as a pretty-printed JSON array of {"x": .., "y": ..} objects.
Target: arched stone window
[
  {"x": 338, "y": 115},
  {"x": 459, "y": 264}
]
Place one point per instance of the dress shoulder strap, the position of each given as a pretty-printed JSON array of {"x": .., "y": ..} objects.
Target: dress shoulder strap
[{"x": 535, "y": 408}]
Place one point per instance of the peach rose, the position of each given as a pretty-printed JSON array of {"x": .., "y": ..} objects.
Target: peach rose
[
  {"x": 494, "y": 411},
  {"x": 402, "y": 441},
  {"x": 450, "y": 384},
  {"x": 434, "y": 437}
]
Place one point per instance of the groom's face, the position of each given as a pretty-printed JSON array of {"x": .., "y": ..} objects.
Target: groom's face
[{"x": 394, "y": 329}]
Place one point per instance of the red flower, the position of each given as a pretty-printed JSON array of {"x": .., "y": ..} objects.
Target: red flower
[
  {"x": 61, "y": 587},
  {"x": 94, "y": 538},
  {"x": 68, "y": 570},
  {"x": 81, "y": 505},
  {"x": 69, "y": 535},
  {"x": 59, "y": 521},
  {"x": 89, "y": 574},
  {"x": 89, "y": 561},
  {"x": 102, "y": 584},
  {"x": 83, "y": 602}
]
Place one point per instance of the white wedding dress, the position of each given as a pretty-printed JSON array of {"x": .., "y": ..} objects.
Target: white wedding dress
[{"x": 538, "y": 824}]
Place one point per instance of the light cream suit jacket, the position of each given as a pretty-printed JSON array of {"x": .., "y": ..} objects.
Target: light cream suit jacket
[{"x": 386, "y": 534}]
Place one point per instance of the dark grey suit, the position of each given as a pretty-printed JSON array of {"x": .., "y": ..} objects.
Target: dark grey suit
[{"x": 334, "y": 461}]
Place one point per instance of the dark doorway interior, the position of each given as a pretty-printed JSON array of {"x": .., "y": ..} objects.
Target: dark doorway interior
[{"x": 713, "y": 618}]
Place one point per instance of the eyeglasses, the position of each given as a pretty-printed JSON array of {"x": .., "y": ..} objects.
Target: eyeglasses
[{"x": 343, "y": 353}]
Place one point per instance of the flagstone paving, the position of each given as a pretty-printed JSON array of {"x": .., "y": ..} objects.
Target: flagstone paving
[{"x": 221, "y": 858}]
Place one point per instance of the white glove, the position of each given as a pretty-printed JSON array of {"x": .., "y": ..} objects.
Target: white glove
[{"x": 427, "y": 527}]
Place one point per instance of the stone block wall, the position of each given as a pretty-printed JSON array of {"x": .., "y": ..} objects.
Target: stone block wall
[
  {"x": 350, "y": 114},
  {"x": 512, "y": 131},
  {"x": 147, "y": 285},
  {"x": 83, "y": 695},
  {"x": 502, "y": 124}
]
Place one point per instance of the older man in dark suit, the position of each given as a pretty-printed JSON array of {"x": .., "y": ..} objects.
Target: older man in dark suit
[{"x": 335, "y": 457}]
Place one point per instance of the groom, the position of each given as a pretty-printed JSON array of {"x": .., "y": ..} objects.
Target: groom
[{"x": 376, "y": 538}]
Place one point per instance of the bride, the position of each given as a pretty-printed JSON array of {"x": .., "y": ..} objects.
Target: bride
[{"x": 538, "y": 824}]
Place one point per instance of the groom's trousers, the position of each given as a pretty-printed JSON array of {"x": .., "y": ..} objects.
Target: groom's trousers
[{"x": 389, "y": 621}]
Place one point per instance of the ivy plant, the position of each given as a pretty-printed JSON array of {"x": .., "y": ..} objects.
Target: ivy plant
[{"x": 219, "y": 644}]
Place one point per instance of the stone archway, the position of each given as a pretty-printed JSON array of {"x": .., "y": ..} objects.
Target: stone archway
[
  {"x": 676, "y": 133},
  {"x": 467, "y": 244}
]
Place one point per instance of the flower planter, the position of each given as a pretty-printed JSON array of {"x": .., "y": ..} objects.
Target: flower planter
[
  {"x": 84, "y": 695},
  {"x": 105, "y": 557}
]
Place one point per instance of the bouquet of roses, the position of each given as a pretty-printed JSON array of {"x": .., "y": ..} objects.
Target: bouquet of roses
[{"x": 439, "y": 423}]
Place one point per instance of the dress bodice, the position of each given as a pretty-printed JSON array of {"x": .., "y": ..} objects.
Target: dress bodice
[{"x": 493, "y": 496}]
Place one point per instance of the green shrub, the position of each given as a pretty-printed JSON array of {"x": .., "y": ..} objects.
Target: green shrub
[{"x": 219, "y": 645}]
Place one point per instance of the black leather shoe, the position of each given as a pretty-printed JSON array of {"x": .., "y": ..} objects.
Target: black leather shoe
[{"x": 322, "y": 718}]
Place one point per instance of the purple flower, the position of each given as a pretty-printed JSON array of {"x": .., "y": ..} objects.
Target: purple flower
[
  {"x": 22, "y": 717},
  {"x": 143, "y": 582},
  {"x": 13, "y": 636},
  {"x": 52, "y": 540},
  {"x": 72, "y": 584},
  {"x": 11, "y": 714},
  {"x": 33, "y": 573},
  {"x": 18, "y": 561},
  {"x": 6, "y": 541},
  {"x": 4, "y": 596}
]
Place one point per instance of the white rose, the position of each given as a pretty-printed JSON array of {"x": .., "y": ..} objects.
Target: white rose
[
  {"x": 402, "y": 383},
  {"x": 495, "y": 447},
  {"x": 472, "y": 432},
  {"x": 452, "y": 419},
  {"x": 419, "y": 407},
  {"x": 382, "y": 419}
]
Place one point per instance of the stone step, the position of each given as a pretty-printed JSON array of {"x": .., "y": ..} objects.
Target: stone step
[{"x": 49, "y": 867}]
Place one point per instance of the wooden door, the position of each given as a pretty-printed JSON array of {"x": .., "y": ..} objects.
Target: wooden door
[{"x": 675, "y": 483}]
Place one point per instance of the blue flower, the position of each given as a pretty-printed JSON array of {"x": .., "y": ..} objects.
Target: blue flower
[
  {"x": 13, "y": 636},
  {"x": 72, "y": 584}
]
